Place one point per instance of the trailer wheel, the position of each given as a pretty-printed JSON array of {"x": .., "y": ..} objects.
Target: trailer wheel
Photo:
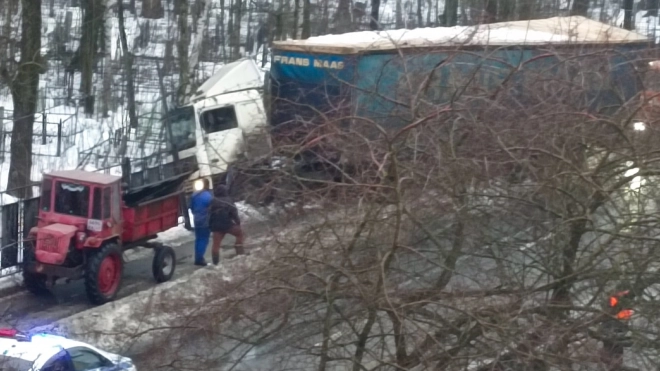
[
  {"x": 34, "y": 282},
  {"x": 103, "y": 274},
  {"x": 164, "y": 264}
]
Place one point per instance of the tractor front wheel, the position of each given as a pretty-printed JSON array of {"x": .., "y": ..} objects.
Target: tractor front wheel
[
  {"x": 164, "y": 264},
  {"x": 103, "y": 274},
  {"x": 34, "y": 282}
]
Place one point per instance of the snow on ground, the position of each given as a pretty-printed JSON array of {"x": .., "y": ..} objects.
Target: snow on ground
[{"x": 130, "y": 322}]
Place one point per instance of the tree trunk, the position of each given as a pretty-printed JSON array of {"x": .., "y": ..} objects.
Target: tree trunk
[
  {"x": 127, "y": 58},
  {"x": 307, "y": 22},
  {"x": 451, "y": 13},
  {"x": 419, "y": 13},
  {"x": 399, "y": 14},
  {"x": 24, "y": 91},
  {"x": 91, "y": 31},
  {"x": 131, "y": 7},
  {"x": 525, "y": 9},
  {"x": 182, "y": 48},
  {"x": 236, "y": 31},
  {"x": 107, "y": 61},
  {"x": 375, "y": 10},
  {"x": 651, "y": 8},
  {"x": 221, "y": 21},
  {"x": 507, "y": 10},
  {"x": 580, "y": 7},
  {"x": 491, "y": 11},
  {"x": 344, "y": 17},
  {"x": 248, "y": 37},
  {"x": 199, "y": 38},
  {"x": 628, "y": 22},
  {"x": 296, "y": 12},
  {"x": 429, "y": 11},
  {"x": 325, "y": 18}
]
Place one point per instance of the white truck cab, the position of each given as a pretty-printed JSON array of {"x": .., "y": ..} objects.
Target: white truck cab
[{"x": 224, "y": 120}]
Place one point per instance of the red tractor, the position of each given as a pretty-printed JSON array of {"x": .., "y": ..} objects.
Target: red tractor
[{"x": 86, "y": 222}]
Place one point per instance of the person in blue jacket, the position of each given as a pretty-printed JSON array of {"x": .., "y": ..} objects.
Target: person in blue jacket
[{"x": 199, "y": 205}]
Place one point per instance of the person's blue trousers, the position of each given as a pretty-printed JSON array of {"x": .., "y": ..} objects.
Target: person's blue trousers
[{"x": 202, "y": 236}]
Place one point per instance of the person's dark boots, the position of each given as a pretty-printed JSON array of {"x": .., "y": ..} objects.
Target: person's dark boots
[
  {"x": 201, "y": 263},
  {"x": 216, "y": 259}
]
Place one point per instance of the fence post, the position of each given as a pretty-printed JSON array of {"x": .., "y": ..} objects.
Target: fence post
[
  {"x": 43, "y": 128},
  {"x": 21, "y": 225},
  {"x": 2, "y": 133},
  {"x": 59, "y": 138}
]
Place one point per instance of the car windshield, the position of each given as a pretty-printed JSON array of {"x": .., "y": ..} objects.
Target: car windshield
[
  {"x": 14, "y": 364},
  {"x": 182, "y": 123},
  {"x": 72, "y": 199}
]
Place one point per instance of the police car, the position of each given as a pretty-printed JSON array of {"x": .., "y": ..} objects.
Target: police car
[{"x": 47, "y": 352}]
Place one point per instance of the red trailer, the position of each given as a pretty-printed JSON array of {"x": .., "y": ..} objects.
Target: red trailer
[{"x": 86, "y": 222}]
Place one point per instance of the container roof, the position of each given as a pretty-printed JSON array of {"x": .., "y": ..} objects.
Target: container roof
[
  {"x": 557, "y": 30},
  {"x": 84, "y": 176},
  {"x": 240, "y": 75}
]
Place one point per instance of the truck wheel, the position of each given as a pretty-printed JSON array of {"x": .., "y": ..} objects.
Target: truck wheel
[
  {"x": 34, "y": 282},
  {"x": 164, "y": 264},
  {"x": 103, "y": 274}
]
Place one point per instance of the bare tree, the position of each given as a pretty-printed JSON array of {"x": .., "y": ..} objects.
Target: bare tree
[
  {"x": 24, "y": 85},
  {"x": 491, "y": 11},
  {"x": 450, "y": 16},
  {"x": 525, "y": 9},
  {"x": 201, "y": 35},
  {"x": 237, "y": 16},
  {"x": 375, "y": 10},
  {"x": 307, "y": 20},
  {"x": 343, "y": 19},
  {"x": 153, "y": 9},
  {"x": 127, "y": 58},
  {"x": 183, "y": 44},
  {"x": 92, "y": 34},
  {"x": 628, "y": 14},
  {"x": 580, "y": 7}
]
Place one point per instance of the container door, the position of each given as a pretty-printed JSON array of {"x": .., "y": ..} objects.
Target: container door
[{"x": 223, "y": 137}]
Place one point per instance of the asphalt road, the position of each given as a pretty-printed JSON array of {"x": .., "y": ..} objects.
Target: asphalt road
[{"x": 23, "y": 310}]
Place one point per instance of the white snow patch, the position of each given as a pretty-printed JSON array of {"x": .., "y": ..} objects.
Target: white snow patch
[
  {"x": 130, "y": 322},
  {"x": 176, "y": 236}
]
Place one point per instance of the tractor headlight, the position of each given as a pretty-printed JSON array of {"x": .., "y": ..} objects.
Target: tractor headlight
[{"x": 198, "y": 185}]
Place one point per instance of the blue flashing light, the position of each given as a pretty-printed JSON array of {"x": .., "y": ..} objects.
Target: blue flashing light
[{"x": 47, "y": 339}]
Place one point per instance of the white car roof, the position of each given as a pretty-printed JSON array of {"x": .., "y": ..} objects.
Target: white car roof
[{"x": 42, "y": 347}]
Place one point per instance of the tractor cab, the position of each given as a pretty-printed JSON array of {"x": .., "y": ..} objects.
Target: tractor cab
[{"x": 76, "y": 203}]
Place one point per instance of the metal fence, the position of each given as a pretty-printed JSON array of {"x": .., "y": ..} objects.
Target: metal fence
[
  {"x": 16, "y": 220},
  {"x": 53, "y": 133}
]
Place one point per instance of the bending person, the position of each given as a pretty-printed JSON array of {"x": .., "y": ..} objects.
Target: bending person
[{"x": 223, "y": 219}]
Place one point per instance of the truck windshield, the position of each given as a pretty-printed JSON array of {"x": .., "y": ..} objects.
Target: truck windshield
[
  {"x": 182, "y": 123},
  {"x": 14, "y": 364},
  {"x": 72, "y": 199}
]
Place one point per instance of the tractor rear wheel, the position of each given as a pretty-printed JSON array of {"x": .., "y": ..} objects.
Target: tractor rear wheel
[
  {"x": 103, "y": 273},
  {"x": 34, "y": 282},
  {"x": 164, "y": 264}
]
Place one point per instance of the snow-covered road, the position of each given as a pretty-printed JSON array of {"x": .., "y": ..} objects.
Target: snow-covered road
[{"x": 20, "y": 309}]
